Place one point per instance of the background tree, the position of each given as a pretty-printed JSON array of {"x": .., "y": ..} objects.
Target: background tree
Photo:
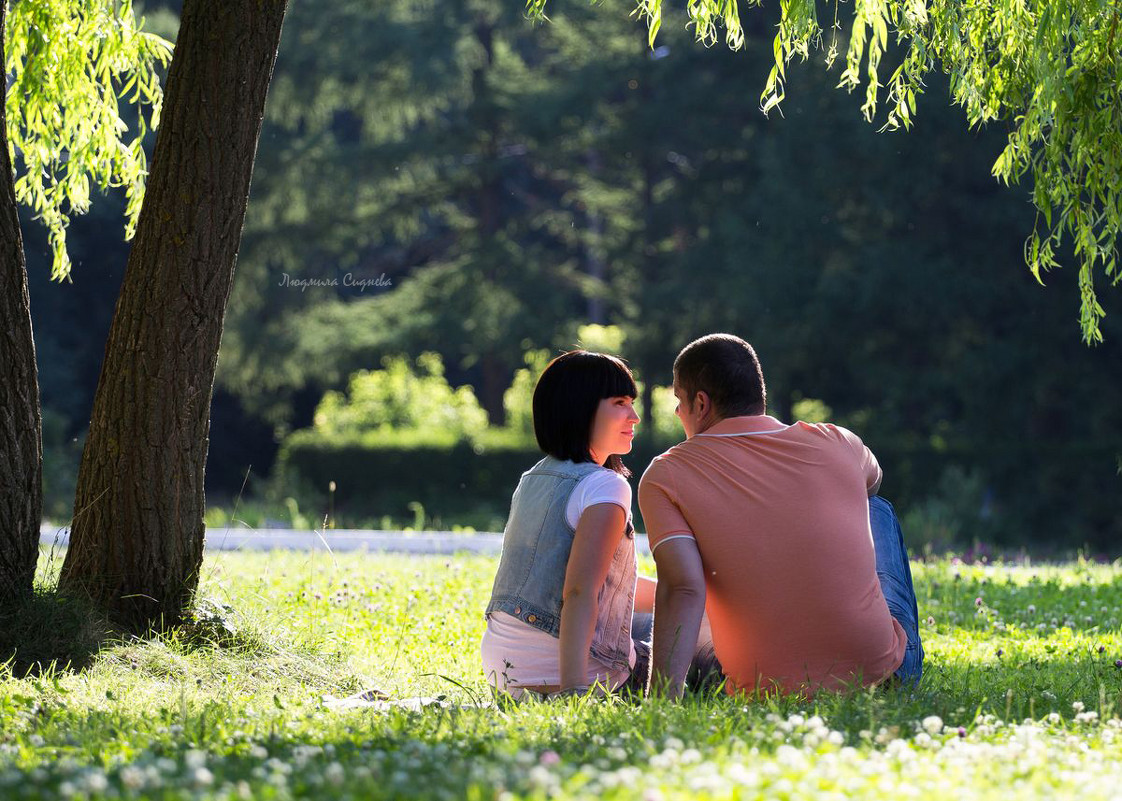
[
  {"x": 1050, "y": 71},
  {"x": 443, "y": 149},
  {"x": 878, "y": 274},
  {"x": 137, "y": 536}
]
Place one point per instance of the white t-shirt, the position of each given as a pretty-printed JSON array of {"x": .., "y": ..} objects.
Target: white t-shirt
[
  {"x": 603, "y": 486},
  {"x": 515, "y": 654}
]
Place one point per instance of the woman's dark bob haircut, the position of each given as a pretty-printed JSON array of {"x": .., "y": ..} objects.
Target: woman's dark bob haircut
[{"x": 567, "y": 397}]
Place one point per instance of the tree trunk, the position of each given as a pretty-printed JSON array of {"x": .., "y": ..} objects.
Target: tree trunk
[
  {"x": 21, "y": 446},
  {"x": 136, "y": 543},
  {"x": 483, "y": 115}
]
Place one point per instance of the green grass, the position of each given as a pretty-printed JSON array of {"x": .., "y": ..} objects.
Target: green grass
[{"x": 1020, "y": 696}]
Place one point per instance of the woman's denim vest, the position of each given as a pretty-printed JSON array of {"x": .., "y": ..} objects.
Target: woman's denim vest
[{"x": 536, "y": 545}]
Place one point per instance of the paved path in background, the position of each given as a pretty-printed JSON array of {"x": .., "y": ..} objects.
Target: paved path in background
[{"x": 286, "y": 539}]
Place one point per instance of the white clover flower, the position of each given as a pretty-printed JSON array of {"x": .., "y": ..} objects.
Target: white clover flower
[
  {"x": 201, "y": 777},
  {"x": 783, "y": 787},
  {"x": 629, "y": 776},
  {"x": 259, "y": 752},
  {"x": 796, "y": 720},
  {"x": 1077, "y": 706},
  {"x": 95, "y": 782},
  {"x": 132, "y": 777},
  {"x": 742, "y": 774},
  {"x": 932, "y": 724},
  {"x": 334, "y": 774},
  {"x": 900, "y": 750},
  {"x": 790, "y": 757},
  {"x": 194, "y": 758},
  {"x": 36, "y": 740},
  {"x": 541, "y": 777},
  {"x": 275, "y": 765},
  {"x": 672, "y": 743}
]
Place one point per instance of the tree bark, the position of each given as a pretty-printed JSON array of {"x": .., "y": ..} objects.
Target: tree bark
[
  {"x": 21, "y": 444},
  {"x": 136, "y": 542},
  {"x": 483, "y": 115}
]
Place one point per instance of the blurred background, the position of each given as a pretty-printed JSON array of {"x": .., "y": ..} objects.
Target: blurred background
[{"x": 445, "y": 196}]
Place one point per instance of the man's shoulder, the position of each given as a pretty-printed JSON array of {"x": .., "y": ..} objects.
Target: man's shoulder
[
  {"x": 827, "y": 431},
  {"x": 662, "y": 468},
  {"x": 668, "y": 459}
]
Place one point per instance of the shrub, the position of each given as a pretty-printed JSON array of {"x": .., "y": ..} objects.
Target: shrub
[{"x": 402, "y": 400}]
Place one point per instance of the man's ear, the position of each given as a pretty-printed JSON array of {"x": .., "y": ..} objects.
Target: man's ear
[{"x": 702, "y": 405}]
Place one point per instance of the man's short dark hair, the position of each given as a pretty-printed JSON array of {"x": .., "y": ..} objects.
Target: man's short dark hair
[
  {"x": 726, "y": 368},
  {"x": 566, "y": 398}
]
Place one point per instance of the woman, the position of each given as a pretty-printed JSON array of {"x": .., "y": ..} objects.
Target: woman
[{"x": 560, "y": 614}]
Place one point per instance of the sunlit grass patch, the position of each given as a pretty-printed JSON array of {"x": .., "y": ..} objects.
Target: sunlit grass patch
[{"x": 1020, "y": 695}]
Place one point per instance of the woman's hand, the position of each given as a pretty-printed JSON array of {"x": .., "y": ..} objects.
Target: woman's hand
[
  {"x": 598, "y": 534},
  {"x": 645, "y": 595}
]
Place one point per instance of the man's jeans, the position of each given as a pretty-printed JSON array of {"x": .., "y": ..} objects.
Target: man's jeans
[{"x": 895, "y": 574}]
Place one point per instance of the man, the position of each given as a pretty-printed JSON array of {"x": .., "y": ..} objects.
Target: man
[{"x": 777, "y": 532}]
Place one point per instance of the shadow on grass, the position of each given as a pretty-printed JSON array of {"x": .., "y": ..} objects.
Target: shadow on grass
[{"x": 51, "y": 631}]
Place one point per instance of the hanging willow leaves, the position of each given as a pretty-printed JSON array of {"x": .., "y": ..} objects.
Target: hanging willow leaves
[
  {"x": 71, "y": 65},
  {"x": 1050, "y": 70}
]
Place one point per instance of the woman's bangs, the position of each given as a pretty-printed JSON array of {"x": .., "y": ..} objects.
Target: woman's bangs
[{"x": 616, "y": 380}]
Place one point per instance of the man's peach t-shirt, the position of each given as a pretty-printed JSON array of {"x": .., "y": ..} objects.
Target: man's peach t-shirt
[{"x": 780, "y": 515}]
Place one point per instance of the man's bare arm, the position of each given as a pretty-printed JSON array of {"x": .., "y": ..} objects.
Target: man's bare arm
[{"x": 679, "y": 606}]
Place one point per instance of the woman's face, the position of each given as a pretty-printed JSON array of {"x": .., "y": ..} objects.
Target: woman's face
[{"x": 613, "y": 428}]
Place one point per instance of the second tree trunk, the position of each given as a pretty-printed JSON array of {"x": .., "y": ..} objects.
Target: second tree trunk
[{"x": 136, "y": 542}]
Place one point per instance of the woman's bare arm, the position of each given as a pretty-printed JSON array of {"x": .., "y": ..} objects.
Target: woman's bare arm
[{"x": 597, "y": 537}]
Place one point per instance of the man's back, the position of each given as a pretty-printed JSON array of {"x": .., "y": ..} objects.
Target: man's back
[{"x": 780, "y": 516}]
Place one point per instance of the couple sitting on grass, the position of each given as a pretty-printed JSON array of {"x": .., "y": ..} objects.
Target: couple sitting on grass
[{"x": 779, "y": 568}]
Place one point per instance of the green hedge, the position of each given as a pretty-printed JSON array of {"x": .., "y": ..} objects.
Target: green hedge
[
  {"x": 1009, "y": 492},
  {"x": 464, "y": 481}
]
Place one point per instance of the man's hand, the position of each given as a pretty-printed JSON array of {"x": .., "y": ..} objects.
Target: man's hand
[{"x": 679, "y": 606}]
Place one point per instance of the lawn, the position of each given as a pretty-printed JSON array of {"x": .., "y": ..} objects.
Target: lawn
[{"x": 1020, "y": 697}]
